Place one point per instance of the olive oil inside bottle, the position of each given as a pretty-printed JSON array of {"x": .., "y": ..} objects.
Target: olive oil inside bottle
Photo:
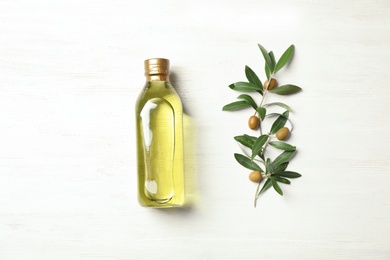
[{"x": 158, "y": 129}]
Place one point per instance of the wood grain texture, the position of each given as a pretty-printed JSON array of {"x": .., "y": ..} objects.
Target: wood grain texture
[{"x": 70, "y": 72}]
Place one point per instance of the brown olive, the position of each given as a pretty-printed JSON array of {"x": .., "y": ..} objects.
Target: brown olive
[
  {"x": 255, "y": 176},
  {"x": 270, "y": 85},
  {"x": 253, "y": 122},
  {"x": 282, "y": 133}
]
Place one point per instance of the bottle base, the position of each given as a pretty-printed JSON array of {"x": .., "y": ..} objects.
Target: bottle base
[{"x": 155, "y": 204}]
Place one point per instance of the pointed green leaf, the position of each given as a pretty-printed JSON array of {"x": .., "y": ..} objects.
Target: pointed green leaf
[
  {"x": 284, "y": 157},
  {"x": 280, "y": 179},
  {"x": 272, "y": 57},
  {"x": 252, "y": 77},
  {"x": 278, "y": 104},
  {"x": 246, "y": 140},
  {"x": 248, "y": 99},
  {"x": 267, "y": 58},
  {"x": 273, "y": 114},
  {"x": 262, "y": 112},
  {"x": 258, "y": 145},
  {"x": 279, "y": 122},
  {"x": 282, "y": 146},
  {"x": 244, "y": 87},
  {"x": 265, "y": 187},
  {"x": 261, "y": 155},
  {"x": 280, "y": 167},
  {"x": 286, "y": 89},
  {"x": 247, "y": 163},
  {"x": 269, "y": 165},
  {"x": 276, "y": 186},
  {"x": 286, "y": 56},
  {"x": 253, "y": 138},
  {"x": 236, "y": 106},
  {"x": 267, "y": 71},
  {"x": 288, "y": 174}
]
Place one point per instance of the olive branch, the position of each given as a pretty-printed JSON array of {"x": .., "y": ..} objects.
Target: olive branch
[{"x": 274, "y": 171}]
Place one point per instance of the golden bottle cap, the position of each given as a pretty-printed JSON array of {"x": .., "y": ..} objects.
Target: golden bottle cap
[{"x": 156, "y": 66}]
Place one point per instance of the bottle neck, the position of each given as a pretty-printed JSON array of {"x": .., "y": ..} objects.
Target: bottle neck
[{"x": 157, "y": 77}]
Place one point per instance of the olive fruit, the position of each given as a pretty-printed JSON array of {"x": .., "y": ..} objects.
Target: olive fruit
[
  {"x": 253, "y": 122},
  {"x": 270, "y": 85},
  {"x": 282, "y": 133},
  {"x": 255, "y": 176}
]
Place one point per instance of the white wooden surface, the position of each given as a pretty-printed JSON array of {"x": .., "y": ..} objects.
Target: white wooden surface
[{"x": 70, "y": 72}]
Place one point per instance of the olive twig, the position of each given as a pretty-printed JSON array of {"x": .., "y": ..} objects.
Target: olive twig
[{"x": 272, "y": 171}]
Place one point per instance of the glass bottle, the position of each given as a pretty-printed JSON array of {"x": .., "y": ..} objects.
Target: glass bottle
[{"x": 159, "y": 130}]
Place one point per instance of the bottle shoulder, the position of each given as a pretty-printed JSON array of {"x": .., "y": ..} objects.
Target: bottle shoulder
[{"x": 158, "y": 89}]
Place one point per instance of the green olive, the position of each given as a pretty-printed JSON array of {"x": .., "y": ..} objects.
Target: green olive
[
  {"x": 273, "y": 83},
  {"x": 255, "y": 176},
  {"x": 282, "y": 133},
  {"x": 253, "y": 122}
]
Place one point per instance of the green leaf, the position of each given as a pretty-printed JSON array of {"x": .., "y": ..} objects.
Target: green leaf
[
  {"x": 236, "y": 106},
  {"x": 269, "y": 166},
  {"x": 253, "y": 138},
  {"x": 252, "y": 77},
  {"x": 246, "y": 140},
  {"x": 288, "y": 174},
  {"x": 282, "y": 146},
  {"x": 267, "y": 71},
  {"x": 280, "y": 179},
  {"x": 267, "y": 58},
  {"x": 280, "y": 167},
  {"x": 272, "y": 57},
  {"x": 284, "y": 157},
  {"x": 285, "y": 114},
  {"x": 244, "y": 87},
  {"x": 286, "y": 89},
  {"x": 262, "y": 111},
  {"x": 273, "y": 114},
  {"x": 279, "y": 104},
  {"x": 286, "y": 56},
  {"x": 276, "y": 186},
  {"x": 247, "y": 163},
  {"x": 279, "y": 122},
  {"x": 248, "y": 99},
  {"x": 258, "y": 145},
  {"x": 261, "y": 155},
  {"x": 265, "y": 187}
]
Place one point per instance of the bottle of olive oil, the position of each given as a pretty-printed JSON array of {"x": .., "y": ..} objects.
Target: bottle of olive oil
[{"x": 159, "y": 128}]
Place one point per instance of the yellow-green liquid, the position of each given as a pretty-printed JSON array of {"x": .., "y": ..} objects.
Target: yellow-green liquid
[{"x": 159, "y": 123}]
